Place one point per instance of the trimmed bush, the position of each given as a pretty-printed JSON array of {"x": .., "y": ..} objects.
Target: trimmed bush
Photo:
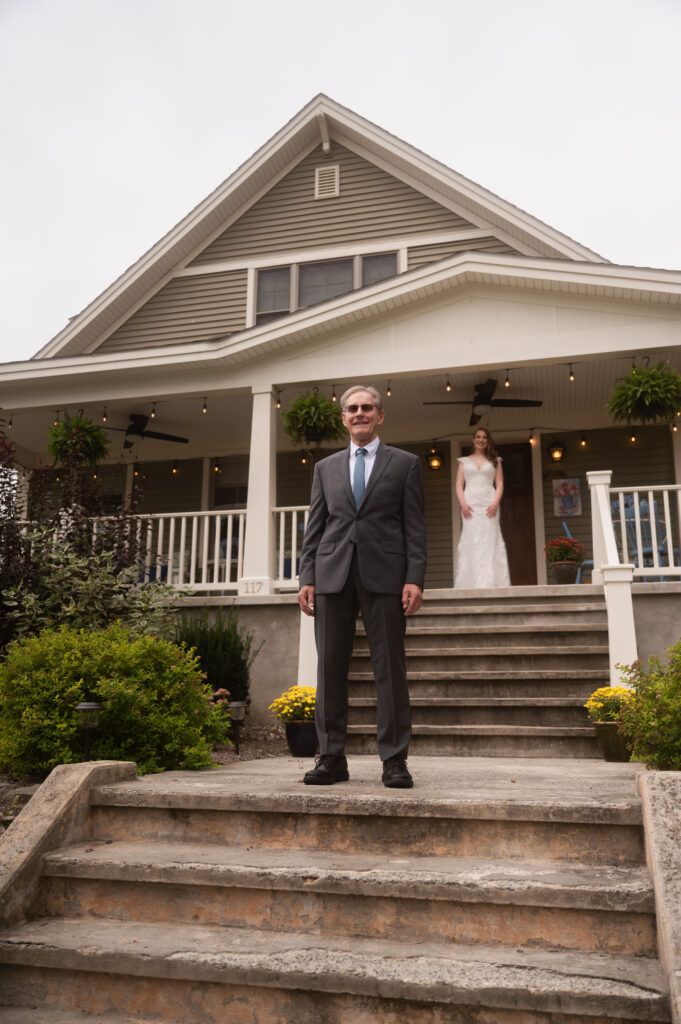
[
  {"x": 157, "y": 707},
  {"x": 651, "y": 721},
  {"x": 224, "y": 650}
]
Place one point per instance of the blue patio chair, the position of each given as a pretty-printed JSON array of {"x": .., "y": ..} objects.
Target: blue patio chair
[
  {"x": 646, "y": 553},
  {"x": 588, "y": 563}
]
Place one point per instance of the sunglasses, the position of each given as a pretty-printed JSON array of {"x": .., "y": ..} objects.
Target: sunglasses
[{"x": 356, "y": 408}]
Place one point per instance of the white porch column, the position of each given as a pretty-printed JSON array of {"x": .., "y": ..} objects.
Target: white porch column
[
  {"x": 599, "y": 485},
  {"x": 262, "y": 489},
  {"x": 622, "y": 648},
  {"x": 676, "y": 452},
  {"x": 307, "y": 653}
]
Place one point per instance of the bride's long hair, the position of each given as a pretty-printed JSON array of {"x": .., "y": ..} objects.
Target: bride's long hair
[{"x": 490, "y": 451}]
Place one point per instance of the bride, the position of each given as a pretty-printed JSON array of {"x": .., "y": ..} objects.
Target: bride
[{"x": 481, "y": 559}]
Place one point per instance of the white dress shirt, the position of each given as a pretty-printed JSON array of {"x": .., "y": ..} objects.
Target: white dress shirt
[{"x": 369, "y": 459}]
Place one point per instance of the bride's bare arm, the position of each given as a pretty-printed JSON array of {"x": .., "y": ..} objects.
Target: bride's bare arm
[
  {"x": 466, "y": 510},
  {"x": 498, "y": 491}
]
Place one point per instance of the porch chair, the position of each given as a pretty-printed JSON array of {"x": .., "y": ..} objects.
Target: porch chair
[
  {"x": 646, "y": 552},
  {"x": 588, "y": 563}
]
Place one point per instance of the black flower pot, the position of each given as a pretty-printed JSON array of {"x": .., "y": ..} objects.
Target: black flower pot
[
  {"x": 301, "y": 738},
  {"x": 611, "y": 741},
  {"x": 565, "y": 572}
]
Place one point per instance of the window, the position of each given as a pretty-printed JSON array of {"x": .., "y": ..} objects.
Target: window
[
  {"x": 320, "y": 281},
  {"x": 282, "y": 290},
  {"x": 274, "y": 294},
  {"x": 379, "y": 267}
]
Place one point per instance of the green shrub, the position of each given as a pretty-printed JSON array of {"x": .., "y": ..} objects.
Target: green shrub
[
  {"x": 651, "y": 721},
  {"x": 81, "y": 591},
  {"x": 157, "y": 707},
  {"x": 224, "y": 650}
]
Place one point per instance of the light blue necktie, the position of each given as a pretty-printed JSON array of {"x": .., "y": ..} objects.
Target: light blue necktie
[{"x": 358, "y": 477}]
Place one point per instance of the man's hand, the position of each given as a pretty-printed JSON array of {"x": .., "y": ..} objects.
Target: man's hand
[
  {"x": 306, "y": 599},
  {"x": 412, "y": 595}
]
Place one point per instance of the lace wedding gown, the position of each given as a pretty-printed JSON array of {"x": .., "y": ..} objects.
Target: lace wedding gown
[{"x": 481, "y": 559}]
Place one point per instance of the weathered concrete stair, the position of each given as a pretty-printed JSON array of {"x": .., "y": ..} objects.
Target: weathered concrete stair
[
  {"x": 497, "y": 891},
  {"x": 495, "y": 673}
]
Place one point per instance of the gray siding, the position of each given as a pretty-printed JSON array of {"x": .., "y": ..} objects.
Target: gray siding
[
  {"x": 418, "y": 255},
  {"x": 649, "y": 461},
  {"x": 186, "y": 309},
  {"x": 164, "y": 493},
  {"x": 372, "y": 205}
]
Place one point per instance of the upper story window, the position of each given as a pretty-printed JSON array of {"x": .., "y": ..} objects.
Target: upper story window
[{"x": 281, "y": 290}]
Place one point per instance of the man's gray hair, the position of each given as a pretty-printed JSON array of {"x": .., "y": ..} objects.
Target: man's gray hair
[{"x": 376, "y": 395}]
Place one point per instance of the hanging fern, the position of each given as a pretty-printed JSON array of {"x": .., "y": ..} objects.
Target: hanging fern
[
  {"x": 77, "y": 441},
  {"x": 647, "y": 395},
  {"x": 313, "y": 418}
]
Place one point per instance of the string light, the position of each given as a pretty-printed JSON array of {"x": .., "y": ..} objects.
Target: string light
[
  {"x": 135, "y": 470},
  {"x": 334, "y": 396},
  {"x": 152, "y": 414},
  {"x": 55, "y": 421},
  {"x": 388, "y": 390},
  {"x": 104, "y": 415},
  {"x": 582, "y": 442},
  {"x": 205, "y": 407},
  {"x": 448, "y": 386},
  {"x": 507, "y": 382},
  {"x": 530, "y": 439},
  {"x": 10, "y": 421},
  {"x": 94, "y": 475},
  {"x": 571, "y": 376},
  {"x": 175, "y": 470},
  {"x": 632, "y": 437},
  {"x": 216, "y": 468},
  {"x": 277, "y": 403},
  {"x": 675, "y": 427}
]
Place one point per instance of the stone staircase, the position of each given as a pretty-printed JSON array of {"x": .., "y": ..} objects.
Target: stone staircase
[
  {"x": 496, "y": 892},
  {"x": 495, "y": 673}
]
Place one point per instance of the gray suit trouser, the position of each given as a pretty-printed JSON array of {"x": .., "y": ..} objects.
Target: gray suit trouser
[{"x": 335, "y": 620}]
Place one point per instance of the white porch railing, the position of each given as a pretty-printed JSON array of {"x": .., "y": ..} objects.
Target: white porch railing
[
  {"x": 291, "y": 521},
  {"x": 635, "y": 536},
  {"x": 200, "y": 550}
]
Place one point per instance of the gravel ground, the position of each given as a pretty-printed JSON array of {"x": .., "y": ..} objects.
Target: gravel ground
[{"x": 255, "y": 742}]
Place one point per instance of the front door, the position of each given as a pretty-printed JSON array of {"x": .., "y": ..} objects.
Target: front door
[{"x": 517, "y": 513}]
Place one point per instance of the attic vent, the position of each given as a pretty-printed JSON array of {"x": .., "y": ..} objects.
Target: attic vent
[{"x": 327, "y": 181}]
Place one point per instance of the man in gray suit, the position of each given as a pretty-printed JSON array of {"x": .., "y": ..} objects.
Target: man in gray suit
[{"x": 364, "y": 550}]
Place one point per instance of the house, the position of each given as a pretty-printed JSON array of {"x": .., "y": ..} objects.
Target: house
[{"x": 340, "y": 254}]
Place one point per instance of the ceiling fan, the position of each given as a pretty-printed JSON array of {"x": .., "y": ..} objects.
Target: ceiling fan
[
  {"x": 483, "y": 400},
  {"x": 137, "y": 428}
]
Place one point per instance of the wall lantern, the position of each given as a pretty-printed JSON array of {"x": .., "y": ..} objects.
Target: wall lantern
[
  {"x": 434, "y": 458},
  {"x": 556, "y": 451}
]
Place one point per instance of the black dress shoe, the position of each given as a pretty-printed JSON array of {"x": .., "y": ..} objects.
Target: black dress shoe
[
  {"x": 396, "y": 774},
  {"x": 327, "y": 770}
]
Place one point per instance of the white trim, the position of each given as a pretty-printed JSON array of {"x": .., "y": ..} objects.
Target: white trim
[
  {"x": 335, "y": 252},
  {"x": 251, "y": 283}
]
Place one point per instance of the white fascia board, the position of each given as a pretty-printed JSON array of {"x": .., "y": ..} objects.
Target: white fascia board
[{"x": 607, "y": 280}]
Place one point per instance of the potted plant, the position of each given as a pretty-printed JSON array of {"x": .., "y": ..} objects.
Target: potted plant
[
  {"x": 604, "y": 708},
  {"x": 296, "y": 708},
  {"x": 312, "y": 418},
  {"x": 648, "y": 394},
  {"x": 565, "y": 555}
]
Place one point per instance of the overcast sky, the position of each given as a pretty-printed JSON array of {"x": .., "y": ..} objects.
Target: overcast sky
[{"x": 119, "y": 116}]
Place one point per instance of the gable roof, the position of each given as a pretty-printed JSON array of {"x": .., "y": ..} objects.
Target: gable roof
[{"x": 321, "y": 120}]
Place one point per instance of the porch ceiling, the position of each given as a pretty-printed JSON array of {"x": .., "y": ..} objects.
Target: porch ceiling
[{"x": 225, "y": 428}]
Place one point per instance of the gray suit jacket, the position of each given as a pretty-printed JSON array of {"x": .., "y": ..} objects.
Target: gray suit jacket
[{"x": 388, "y": 528}]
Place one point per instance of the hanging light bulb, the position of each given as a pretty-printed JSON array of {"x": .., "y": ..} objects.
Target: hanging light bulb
[
  {"x": 55, "y": 421},
  {"x": 277, "y": 404},
  {"x": 175, "y": 470},
  {"x": 507, "y": 382},
  {"x": 334, "y": 396},
  {"x": 152, "y": 414},
  {"x": 10, "y": 421},
  {"x": 632, "y": 437},
  {"x": 675, "y": 427},
  {"x": 531, "y": 439},
  {"x": 388, "y": 390},
  {"x": 448, "y": 386},
  {"x": 104, "y": 415},
  {"x": 571, "y": 375},
  {"x": 94, "y": 475},
  {"x": 216, "y": 468},
  {"x": 582, "y": 442},
  {"x": 205, "y": 407},
  {"x": 136, "y": 471}
]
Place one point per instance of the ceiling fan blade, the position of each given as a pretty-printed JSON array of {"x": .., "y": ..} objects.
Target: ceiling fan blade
[
  {"x": 165, "y": 437},
  {"x": 484, "y": 391},
  {"x": 446, "y": 402},
  {"x": 514, "y": 403}
]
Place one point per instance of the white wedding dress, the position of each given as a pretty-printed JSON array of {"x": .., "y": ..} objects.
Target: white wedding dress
[{"x": 481, "y": 559}]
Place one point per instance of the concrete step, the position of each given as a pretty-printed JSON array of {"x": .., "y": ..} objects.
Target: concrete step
[
  {"x": 507, "y": 682},
  {"x": 491, "y": 637},
  {"x": 486, "y": 741},
  {"x": 534, "y": 613},
  {"x": 460, "y": 807},
  {"x": 519, "y": 657},
  {"x": 244, "y": 974},
  {"x": 525, "y": 711},
  {"x": 407, "y": 899}
]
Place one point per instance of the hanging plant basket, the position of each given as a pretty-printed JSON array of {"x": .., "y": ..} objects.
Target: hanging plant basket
[
  {"x": 650, "y": 394},
  {"x": 77, "y": 441},
  {"x": 312, "y": 418}
]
